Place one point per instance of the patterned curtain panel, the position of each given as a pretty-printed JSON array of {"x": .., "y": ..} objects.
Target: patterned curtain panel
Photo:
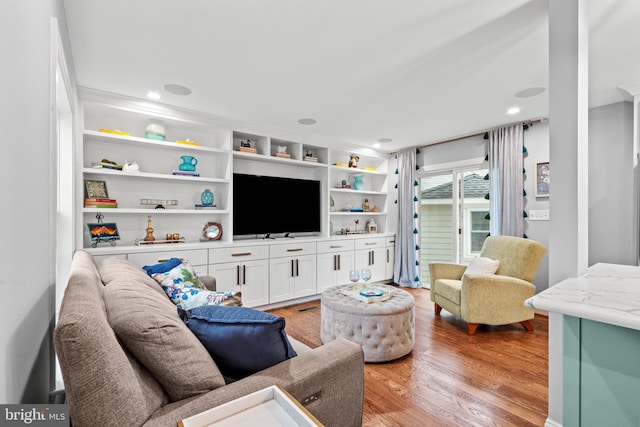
[
  {"x": 506, "y": 201},
  {"x": 406, "y": 263}
]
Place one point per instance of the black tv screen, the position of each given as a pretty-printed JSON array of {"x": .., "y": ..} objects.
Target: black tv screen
[{"x": 273, "y": 205}]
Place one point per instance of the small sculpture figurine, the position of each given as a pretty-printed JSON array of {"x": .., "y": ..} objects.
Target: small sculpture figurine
[
  {"x": 130, "y": 166},
  {"x": 149, "y": 237},
  {"x": 282, "y": 149},
  {"x": 246, "y": 143},
  {"x": 353, "y": 161}
]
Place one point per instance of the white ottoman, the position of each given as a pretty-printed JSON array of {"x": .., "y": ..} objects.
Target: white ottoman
[{"x": 386, "y": 330}]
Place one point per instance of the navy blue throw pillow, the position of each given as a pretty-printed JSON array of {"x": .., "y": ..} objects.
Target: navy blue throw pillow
[
  {"x": 162, "y": 267},
  {"x": 241, "y": 340}
]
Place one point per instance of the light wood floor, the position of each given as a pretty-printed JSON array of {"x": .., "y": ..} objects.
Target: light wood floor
[{"x": 497, "y": 377}]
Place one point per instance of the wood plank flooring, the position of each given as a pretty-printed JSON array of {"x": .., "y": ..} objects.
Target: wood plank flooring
[{"x": 497, "y": 377}]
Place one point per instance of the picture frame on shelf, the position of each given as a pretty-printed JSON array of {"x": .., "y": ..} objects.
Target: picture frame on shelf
[
  {"x": 95, "y": 189},
  {"x": 103, "y": 232},
  {"x": 542, "y": 179}
]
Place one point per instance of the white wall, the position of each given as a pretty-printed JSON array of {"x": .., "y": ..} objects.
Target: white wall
[
  {"x": 27, "y": 282},
  {"x": 611, "y": 185}
]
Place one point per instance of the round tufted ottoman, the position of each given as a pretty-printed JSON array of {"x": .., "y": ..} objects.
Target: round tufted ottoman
[{"x": 386, "y": 330}]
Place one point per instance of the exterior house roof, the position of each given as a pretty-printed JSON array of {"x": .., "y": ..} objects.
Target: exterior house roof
[{"x": 474, "y": 186}]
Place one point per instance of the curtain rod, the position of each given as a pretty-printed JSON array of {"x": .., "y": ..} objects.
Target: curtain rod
[{"x": 527, "y": 122}]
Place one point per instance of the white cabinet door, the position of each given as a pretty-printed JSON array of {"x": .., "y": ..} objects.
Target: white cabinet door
[
  {"x": 374, "y": 260},
  {"x": 333, "y": 269},
  {"x": 248, "y": 277},
  {"x": 292, "y": 277},
  {"x": 390, "y": 255},
  {"x": 305, "y": 279},
  {"x": 281, "y": 279}
]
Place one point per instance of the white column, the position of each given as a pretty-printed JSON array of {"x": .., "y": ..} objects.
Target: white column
[
  {"x": 568, "y": 158},
  {"x": 634, "y": 90}
]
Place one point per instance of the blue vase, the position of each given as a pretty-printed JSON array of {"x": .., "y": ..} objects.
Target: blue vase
[
  {"x": 188, "y": 163},
  {"x": 206, "y": 197},
  {"x": 358, "y": 182}
]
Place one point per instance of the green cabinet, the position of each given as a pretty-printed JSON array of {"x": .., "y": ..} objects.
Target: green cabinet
[{"x": 601, "y": 374}]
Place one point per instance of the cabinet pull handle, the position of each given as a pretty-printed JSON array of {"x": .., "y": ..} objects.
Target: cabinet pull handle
[
  {"x": 373, "y": 257},
  {"x": 295, "y": 250},
  {"x": 297, "y": 269},
  {"x": 238, "y": 275},
  {"x": 335, "y": 247},
  {"x": 387, "y": 255},
  {"x": 293, "y": 274},
  {"x": 241, "y": 254},
  {"x": 244, "y": 274},
  {"x": 339, "y": 267},
  {"x": 167, "y": 259},
  {"x": 335, "y": 262},
  {"x": 371, "y": 244}
]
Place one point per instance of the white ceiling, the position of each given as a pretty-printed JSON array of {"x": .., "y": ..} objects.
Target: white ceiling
[{"x": 416, "y": 71}]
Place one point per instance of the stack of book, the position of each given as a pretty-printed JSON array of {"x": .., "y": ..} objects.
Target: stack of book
[
  {"x": 248, "y": 150},
  {"x": 283, "y": 155},
  {"x": 185, "y": 173},
  {"x": 310, "y": 159},
  {"x": 106, "y": 165},
  {"x": 100, "y": 202}
]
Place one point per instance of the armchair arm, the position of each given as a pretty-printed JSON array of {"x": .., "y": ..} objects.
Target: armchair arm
[
  {"x": 443, "y": 270},
  {"x": 494, "y": 299}
]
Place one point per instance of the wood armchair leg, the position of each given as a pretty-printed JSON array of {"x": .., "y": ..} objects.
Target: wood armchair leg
[
  {"x": 471, "y": 328},
  {"x": 437, "y": 309},
  {"x": 527, "y": 325}
]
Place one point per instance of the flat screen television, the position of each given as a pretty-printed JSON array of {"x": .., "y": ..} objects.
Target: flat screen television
[{"x": 265, "y": 205}]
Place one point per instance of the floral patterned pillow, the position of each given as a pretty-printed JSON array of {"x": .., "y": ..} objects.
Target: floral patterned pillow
[
  {"x": 186, "y": 291},
  {"x": 187, "y": 297},
  {"x": 181, "y": 275}
]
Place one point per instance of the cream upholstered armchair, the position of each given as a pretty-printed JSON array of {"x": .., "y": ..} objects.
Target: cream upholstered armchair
[{"x": 490, "y": 299}]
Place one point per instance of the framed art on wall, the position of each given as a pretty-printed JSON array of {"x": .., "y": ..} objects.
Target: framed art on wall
[{"x": 542, "y": 179}]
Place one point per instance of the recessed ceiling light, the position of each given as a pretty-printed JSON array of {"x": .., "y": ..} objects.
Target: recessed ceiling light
[
  {"x": 532, "y": 91},
  {"x": 513, "y": 110},
  {"x": 153, "y": 95},
  {"x": 385, "y": 140},
  {"x": 307, "y": 121},
  {"x": 177, "y": 89}
]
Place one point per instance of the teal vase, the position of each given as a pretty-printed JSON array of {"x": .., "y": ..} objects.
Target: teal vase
[
  {"x": 206, "y": 197},
  {"x": 358, "y": 182}
]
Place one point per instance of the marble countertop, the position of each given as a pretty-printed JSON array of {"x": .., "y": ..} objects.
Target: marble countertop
[{"x": 607, "y": 293}]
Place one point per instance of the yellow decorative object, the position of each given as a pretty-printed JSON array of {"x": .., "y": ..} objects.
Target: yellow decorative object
[
  {"x": 187, "y": 142},
  {"x": 115, "y": 131},
  {"x": 370, "y": 169},
  {"x": 343, "y": 165}
]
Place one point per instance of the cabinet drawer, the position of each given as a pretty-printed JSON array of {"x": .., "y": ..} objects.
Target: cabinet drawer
[
  {"x": 330, "y": 246},
  {"x": 238, "y": 254},
  {"x": 370, "y": 243},
  {"x": 292, "y": 249},
  {"x": 195, "y": 257}
]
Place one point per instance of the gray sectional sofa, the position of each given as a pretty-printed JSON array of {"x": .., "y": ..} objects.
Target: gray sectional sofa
[{"x": 128, "y": 359}]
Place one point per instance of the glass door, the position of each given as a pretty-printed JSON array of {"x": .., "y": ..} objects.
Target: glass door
[{"x": 453, "y": 216}]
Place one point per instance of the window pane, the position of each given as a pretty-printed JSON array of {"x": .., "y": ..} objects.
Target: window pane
[{"x": 479, "y": 222}]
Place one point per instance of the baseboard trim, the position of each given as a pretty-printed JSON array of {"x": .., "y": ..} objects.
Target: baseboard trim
[{"x": 551, "y": 423}]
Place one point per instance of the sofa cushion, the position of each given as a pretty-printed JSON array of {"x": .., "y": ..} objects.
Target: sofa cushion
[
  {"x": 482, "y": 265},
  {"x": 148, "y": 325},
  {"x": 120, "y": 269},
  {"x": 241, "y": 340}
]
